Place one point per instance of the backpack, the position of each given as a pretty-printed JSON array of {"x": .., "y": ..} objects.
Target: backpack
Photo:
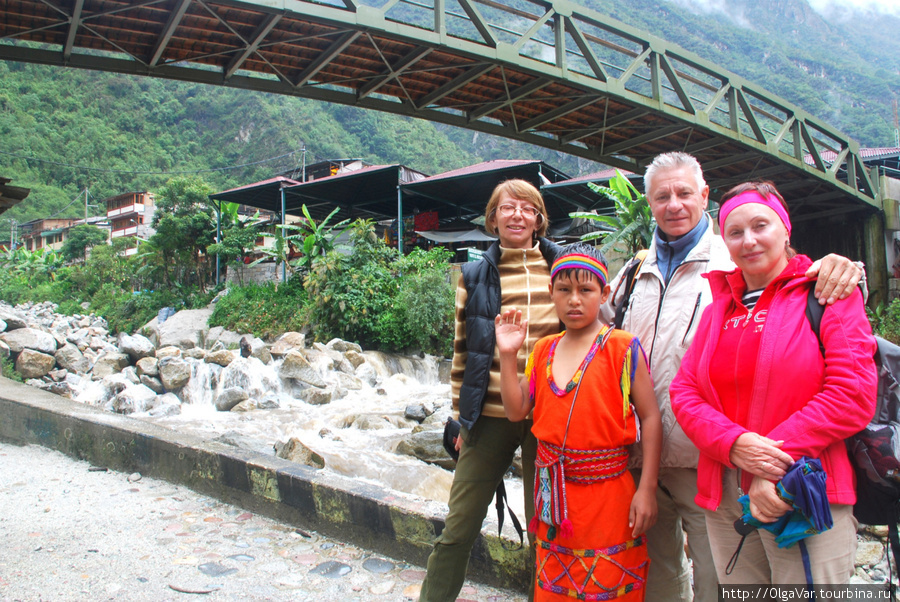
[
  {"x": 875, "y": 451},
  {"x": 628, "y": 281}
]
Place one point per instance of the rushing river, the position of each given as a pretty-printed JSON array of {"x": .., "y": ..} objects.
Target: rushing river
[{"x": 356, "y": 434}]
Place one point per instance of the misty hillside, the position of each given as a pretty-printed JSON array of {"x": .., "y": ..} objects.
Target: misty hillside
[{"x": 136, "y": 133}]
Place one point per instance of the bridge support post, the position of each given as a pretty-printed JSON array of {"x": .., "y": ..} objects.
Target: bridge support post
[{"x": 875, "y": 259}]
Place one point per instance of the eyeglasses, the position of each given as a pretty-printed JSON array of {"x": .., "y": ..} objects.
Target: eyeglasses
[{"x": 525, "y": 210}]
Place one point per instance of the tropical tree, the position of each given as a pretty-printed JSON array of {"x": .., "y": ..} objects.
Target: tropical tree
[
  {"x": 107, "y": 267},
  {"x": 80, "y": 239},
  {"x": 185, "y": 227},
  {"x": 151, "y": 269},
  {"x": 631, "y": 228},
  {"x": 238, "y": 233}
]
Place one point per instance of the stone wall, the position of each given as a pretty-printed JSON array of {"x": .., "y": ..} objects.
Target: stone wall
[{"x": 240, "y": 274}]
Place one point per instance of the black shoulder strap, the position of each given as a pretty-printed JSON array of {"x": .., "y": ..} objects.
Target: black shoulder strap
[
  {"x": 814, "y": 313},
  {"x": 894, "y": 545},
  {"x": 501, "y": 502},
  {"x": 630, "y": 277}
]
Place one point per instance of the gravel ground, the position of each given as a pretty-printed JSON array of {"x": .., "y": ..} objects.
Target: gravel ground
[{"x": 72, "y": 532}]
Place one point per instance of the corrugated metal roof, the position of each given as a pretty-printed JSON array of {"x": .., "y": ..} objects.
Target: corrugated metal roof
[
  {"x": 604, "y": 174},
  {"x": 867, "y": 154},
  {"x": 480, "y": 168},
  {"x": 260, "y": 184}
]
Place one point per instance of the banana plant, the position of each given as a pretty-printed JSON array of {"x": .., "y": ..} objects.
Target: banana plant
[
  {"x": 630, "y": 229},
  {"x": 44, "y": 261},
  {"x": 313, "y": 239}
]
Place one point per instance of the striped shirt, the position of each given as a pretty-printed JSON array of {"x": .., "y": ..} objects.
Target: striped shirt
[
  {"x": 524, "y": 285},
  {"x": 750, "y": 298}
]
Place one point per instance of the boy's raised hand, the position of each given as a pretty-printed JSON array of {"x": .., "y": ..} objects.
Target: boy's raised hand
[{"x": 510, "y": 329}]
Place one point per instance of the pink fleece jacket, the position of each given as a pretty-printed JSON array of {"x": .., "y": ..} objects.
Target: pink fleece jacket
[{"x": 811, "y": 404}]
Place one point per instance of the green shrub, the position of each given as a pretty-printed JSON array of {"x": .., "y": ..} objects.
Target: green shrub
[
  {"x": 265, "y": 310},
  {"x": 381, "y": 301},
  {"x": 18, "y": 288},
  {"x": 886, "y": 321},
  {"x": 125, "y": 311},
  {"x": 14, "y": 288},
  {"x": 421, "y": 315}
]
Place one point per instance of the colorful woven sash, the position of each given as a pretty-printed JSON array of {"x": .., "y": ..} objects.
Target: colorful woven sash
[{"x": 555, "y": 466}]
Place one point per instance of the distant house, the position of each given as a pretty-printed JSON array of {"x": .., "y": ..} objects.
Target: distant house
[
  {"x": 44, "y": 233},
  {"x": 130, "y": 215},
  {"x": 326, "y": 169}
]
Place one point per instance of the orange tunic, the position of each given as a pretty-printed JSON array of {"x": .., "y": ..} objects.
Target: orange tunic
[{"x": 599, "y": 560}]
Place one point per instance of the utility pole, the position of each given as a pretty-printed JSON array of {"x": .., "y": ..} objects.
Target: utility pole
[
  {"x": 85, "y": 205},
  {"x": 896, "y": 126},
  {"x": 303, "y": 152}
]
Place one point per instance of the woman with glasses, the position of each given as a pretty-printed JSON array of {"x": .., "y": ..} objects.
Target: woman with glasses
[{"x": 514, "y": 273}]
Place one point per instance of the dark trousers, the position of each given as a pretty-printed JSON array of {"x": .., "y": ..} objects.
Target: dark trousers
[{"x": 486, "y": 455}]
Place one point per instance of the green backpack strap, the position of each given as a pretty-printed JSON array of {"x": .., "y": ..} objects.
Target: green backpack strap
[{"x": 628, "y": 281}]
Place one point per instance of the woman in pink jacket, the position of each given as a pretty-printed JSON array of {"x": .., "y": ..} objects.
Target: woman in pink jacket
[{"x": 754, "y": 393}]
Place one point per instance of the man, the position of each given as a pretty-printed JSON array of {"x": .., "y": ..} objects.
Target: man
[{"x": 663, "y": 310}]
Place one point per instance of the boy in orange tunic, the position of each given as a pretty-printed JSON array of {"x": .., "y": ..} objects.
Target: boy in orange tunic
[{"x": 584, "y": 386}]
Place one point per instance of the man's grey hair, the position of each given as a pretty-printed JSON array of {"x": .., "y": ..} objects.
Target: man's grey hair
[{"x": 669, "y": 161}]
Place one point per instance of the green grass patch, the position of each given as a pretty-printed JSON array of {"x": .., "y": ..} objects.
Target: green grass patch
[{"x": 264, "y": 310}]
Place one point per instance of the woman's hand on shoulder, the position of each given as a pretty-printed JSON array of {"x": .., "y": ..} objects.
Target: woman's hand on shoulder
[
  {"x": 760, "y": 456},
  {"x": 510, "y": 329},
  {"x": 642, "y": 514},
  {"x": 765, "y": 505}
]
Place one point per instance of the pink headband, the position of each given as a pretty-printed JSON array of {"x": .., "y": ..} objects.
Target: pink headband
[{"x": 752, "y": 196}]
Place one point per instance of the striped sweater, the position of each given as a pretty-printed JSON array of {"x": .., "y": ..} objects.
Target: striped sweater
[{"x": 525, "y": 285}]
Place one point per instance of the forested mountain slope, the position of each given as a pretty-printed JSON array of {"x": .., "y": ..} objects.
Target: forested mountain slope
[{"x": 136, "y": 133}]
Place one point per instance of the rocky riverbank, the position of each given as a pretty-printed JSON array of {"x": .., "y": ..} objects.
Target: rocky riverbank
[
  {"x": 181, "y": 365},
  {"x": 177, "y": 368}
]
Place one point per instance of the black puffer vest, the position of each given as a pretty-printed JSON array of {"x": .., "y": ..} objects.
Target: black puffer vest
[{"x": 482, "y": 282}]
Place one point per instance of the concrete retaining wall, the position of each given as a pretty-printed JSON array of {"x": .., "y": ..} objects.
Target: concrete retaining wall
[
  {"x": 240, "y": 274},
  {"x": 363, "y": 514}
]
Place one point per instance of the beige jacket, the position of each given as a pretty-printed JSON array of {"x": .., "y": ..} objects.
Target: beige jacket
[{"x": 665, "y": 317}]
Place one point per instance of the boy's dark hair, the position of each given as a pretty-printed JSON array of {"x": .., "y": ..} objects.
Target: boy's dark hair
[{"x": 580, "y": 248}]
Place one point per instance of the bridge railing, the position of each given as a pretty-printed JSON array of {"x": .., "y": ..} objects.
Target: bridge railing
[{"x": 561, "y": 37}]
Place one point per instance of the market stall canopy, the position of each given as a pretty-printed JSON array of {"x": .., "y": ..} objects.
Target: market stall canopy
[
  {"x": 373, "y": 191},
  {"x": 370, "y": 192},
  {"x": 465, "y": 192},
  {"x": 261, "y": 195},
  {"x": 475, "y": 235},
  {"x": 10, "y": 196},
  {"x": 577, "y": 192}
]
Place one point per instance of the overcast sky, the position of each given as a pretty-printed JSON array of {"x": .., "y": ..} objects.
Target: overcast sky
[
  {"x": 882, "y": 6},
  {"x": 828, "y": 8}
]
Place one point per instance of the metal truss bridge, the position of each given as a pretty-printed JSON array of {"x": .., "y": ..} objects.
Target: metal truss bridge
[{"x": 546, "y": 72}]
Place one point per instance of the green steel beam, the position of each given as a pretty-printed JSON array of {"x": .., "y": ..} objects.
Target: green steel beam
[
  {"x": 395, "y": 71},
  {"x": 74, "y": 24},
  {"x": 555, "y": 54},
  {"x": 263, "y": 30},
  {"x": 174, "y": 19}
]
